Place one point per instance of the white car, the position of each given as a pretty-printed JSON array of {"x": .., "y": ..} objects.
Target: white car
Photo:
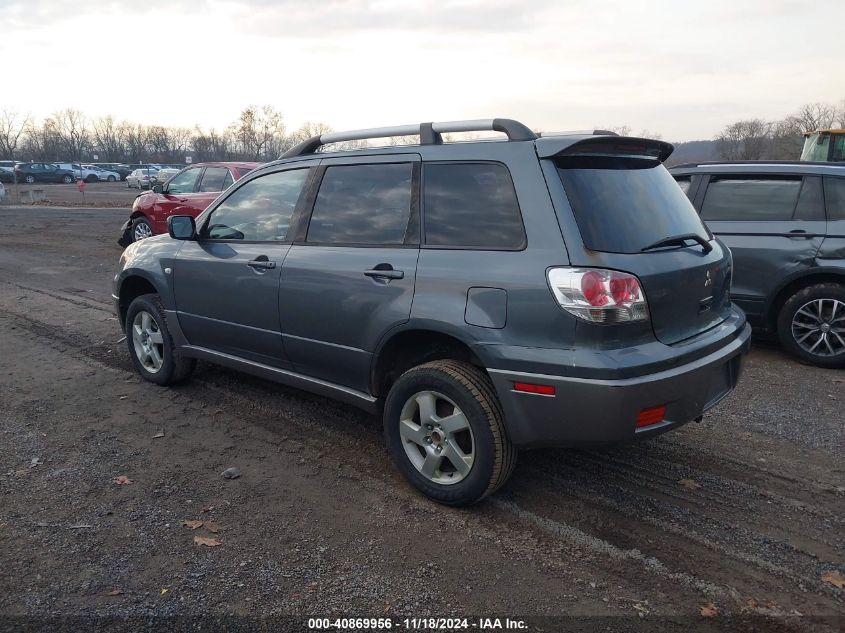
[
  {"x": 2, "y": 191},
  {"x": 102, "y": 174},
  {"x": 143, "y": 178},
  {"x": 166, "y": 172}
]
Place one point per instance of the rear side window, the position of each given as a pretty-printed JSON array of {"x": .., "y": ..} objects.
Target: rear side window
[
  {"x": 471, "y": 205},
  {"x": 834, "y": 192},
  {"x": 363, "y": 204},
  {"x": 751, "y": 199},
  {"x": 213, "y": 178},
  {"x": 684, "y": 183},
  {"x": 624, "y": 204}
]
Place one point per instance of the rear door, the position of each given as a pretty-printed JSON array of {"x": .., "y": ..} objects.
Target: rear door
[
  {"x": 624, "y": 202},
  {"x": 349, "y": 277},
  {"x": 774, "y": 226},
  {"x": 227, "y": 281}
]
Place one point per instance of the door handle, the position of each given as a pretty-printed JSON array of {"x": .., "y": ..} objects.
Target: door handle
[
  {"x": 384, "y": 271},
  {"x": 261, "y": 264},
  {"x": 800, "y": 233}
]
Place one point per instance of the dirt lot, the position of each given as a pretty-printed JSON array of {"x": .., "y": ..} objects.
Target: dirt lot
[
  {"x": 97, "y": 194},
  {"x": 742, "y": 515}
]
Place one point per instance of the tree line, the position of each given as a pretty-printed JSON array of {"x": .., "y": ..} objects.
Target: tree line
[
  {"x": 758, "y": 139},
  {"x": 258, "y": 134}
]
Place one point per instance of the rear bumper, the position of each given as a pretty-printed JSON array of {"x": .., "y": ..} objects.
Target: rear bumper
[{"x": 587, "y": 411}]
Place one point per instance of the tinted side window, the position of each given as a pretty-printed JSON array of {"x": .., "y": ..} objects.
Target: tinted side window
[
  {"x": 750, "y": 199},
  {"x": 261, "y": 210},
  {"x": 834, "y": 192},
  {"x": 810, "y": 201},
  {"x": 472, "y": 205},
  {"x": 684, "y": 183},
  {"x": 228, "y": 180},
  {"x": 213, "y": 179},
  {"x": 363, "y": 204},
  {"x": 182, "y": 183}
]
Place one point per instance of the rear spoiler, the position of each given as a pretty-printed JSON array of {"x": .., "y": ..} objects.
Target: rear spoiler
[{"x": 592, "y": 145}]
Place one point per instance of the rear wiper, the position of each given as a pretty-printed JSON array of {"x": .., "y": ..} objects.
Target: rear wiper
[{"x": 680, "y": 240}]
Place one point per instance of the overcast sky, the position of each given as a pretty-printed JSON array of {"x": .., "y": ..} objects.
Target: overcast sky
[{"x": 681, "y": 69}]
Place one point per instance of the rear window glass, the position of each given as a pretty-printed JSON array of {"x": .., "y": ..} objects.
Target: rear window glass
[
  {"x": 624, "y": 204},
  {"x": 212, "y": 179},
  {"x": 751, "y": 199},
  {"x": 363, "y": 204},
  {"x": 471, "y": 205}
]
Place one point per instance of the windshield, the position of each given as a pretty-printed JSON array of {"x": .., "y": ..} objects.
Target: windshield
[
  {"x": 816, "y": 147},
  {"x": 623, "y": 204}
]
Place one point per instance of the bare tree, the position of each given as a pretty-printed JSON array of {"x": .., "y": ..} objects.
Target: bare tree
[
  {"x": 744, "y": 140},
  {"x": 815, "y": 116},
  {"x": 137, "y": 141},
  {"x": 73, "y": 132},
  {"x": 109, "y": 138},
  {"x": 12, "y": 126}
]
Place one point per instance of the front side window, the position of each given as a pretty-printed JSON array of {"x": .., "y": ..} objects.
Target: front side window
[
  {"x": 213, "y": 179},
  {"x": 261, "y": 210},
  {"x": 363, "y": 204},
  {"x": 471, "y": 205},
  {"x": 838, "y": 154},
  {"x": 184, "y": 182},
  {"x": 751, "y": 199}
]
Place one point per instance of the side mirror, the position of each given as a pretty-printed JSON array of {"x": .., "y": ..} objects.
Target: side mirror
[
  {"x": 158, "y": 188},
  {"x": 182, "y": 227}
]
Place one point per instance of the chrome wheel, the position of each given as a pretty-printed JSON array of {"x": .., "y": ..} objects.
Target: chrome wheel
[
  {"x": 142, "y": 230},
  {"x": 818, "y": 327},
  {"x": 437, "y": 437},
  {"x": 148, "y": 342}
]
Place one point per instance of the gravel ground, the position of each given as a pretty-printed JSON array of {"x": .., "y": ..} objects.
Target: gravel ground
[{"x": 741, "y": 516}]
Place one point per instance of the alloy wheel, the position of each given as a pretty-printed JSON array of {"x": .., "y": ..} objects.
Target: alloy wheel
[
  {"x": 141, "y": 231},
  {"x": 818, "y": 327},
  {"x": 437, "y": 437},
  {"x": 148, "y": 341}
]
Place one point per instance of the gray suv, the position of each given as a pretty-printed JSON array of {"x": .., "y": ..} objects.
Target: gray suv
[
  {"x": 785, "y": 224},
  {"x": 482, "y": 297}
]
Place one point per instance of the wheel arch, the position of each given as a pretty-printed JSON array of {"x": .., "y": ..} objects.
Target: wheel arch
[
  {"x": 793, "y": 284},
  {"x": 414, "y": 344},
  {"x": 133, "y": 284}
]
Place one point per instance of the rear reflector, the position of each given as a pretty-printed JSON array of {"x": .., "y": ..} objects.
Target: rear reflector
[
  {"x": 650, "y": 416},
  {"x": 527, "y": 387}
]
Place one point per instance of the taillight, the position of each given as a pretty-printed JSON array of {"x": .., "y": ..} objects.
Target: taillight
[{"x": 598, "y": 295}]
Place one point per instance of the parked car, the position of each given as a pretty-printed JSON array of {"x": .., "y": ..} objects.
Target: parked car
[
  {"x": 7, "y": 175},
  {"x": 9, "y": 164},
  {"x": 482, "y": 296},
  {"x": 43, "y": 172},
  {"x": 785, "y": 224},
  {"x": 2, "y": 191},
  {"x": 122, "y": 170},
  {"x": 187, "y": 192},
  {"x": 142, "y": 178},
  {"x": 166, "y": 172},
  {"x": 101, "y": 174},
  {"x": 80, "y": 172}
]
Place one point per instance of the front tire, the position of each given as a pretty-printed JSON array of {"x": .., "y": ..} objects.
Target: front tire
[
  {"x": 110, "y": 179},
  {"x": 141, "y": 229},
  {"x": 811, "y": 325},
  {"x": 29, "y": 179},
  {"x": 150, "y": 344},
  {"x": 67, "y": 179},
  {"x": 91, "y": 178},
  {"x": 444, "y": 429}
]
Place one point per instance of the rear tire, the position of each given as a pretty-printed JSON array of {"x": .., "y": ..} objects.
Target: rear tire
[
  {"x": 110, "y": 179},
  {"x": 29, "y": 179},
  {"x": 150, "y": 344},
  {"x": 91, "y": 178},
  {"x": 811, "y": 325},
  {"x": 466, "y": 423},
  {"x": 67, "y": 179}
]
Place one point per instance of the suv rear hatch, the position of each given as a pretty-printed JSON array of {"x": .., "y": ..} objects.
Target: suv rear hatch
[{"x": 633, "y": 217}]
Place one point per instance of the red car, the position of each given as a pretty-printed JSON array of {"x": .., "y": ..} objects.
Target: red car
[{"x": 187, "y": 193}]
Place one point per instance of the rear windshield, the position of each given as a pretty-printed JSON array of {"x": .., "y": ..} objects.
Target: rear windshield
[{"x": 624, "y": 204}]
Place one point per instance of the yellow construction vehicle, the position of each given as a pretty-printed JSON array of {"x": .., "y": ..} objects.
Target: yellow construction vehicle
[{"x": 824, "y": 145}]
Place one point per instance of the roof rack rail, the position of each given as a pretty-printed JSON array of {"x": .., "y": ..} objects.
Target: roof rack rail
[{"x": 429, "y": 133}]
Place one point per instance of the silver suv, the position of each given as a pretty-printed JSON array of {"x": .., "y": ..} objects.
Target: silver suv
[{"x": 483, "y": 297}]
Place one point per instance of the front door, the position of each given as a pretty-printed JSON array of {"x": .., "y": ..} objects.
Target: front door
[
  {"x": 227, "y": 281},
  {"x": 773, "y": 225},
  {"x": 349, "y": 277}
]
